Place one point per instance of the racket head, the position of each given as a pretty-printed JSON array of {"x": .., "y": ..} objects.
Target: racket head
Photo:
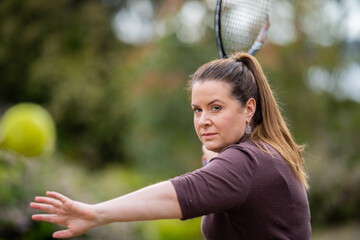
[{"x": 241, "y": 25}]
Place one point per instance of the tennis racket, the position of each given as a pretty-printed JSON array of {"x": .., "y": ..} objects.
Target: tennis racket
[{"x": 241, "y": 25}]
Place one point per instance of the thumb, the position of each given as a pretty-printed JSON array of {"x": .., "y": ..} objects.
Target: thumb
[
  {"x": 63, "y": 234},
  {"x": 204, "y": 149}
]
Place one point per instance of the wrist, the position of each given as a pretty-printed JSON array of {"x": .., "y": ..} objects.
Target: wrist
[{"x": 100, "y": 215}]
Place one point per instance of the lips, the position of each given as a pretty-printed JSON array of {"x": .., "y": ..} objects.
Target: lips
[{"x": 207, "y": 136}]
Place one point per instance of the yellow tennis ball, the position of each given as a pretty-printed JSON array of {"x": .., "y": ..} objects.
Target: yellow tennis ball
[{"x": 28, "y": 129}]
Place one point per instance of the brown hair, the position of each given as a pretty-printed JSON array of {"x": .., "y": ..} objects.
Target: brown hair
[{"x": 246, "y": 76}]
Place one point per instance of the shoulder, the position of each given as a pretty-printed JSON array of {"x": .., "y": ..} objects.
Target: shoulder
[
  {"x": 248, "y": 148},
  {"x": 238, "y": 156},
  {"x": 255, "y": 153}
]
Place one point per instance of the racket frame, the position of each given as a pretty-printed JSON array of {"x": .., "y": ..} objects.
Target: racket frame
[
  {"x": 219, "y": 44},
  {"x": 260, "y": 39}
]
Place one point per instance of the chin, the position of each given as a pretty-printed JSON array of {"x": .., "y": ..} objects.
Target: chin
[{"x": 216, "y": 149}]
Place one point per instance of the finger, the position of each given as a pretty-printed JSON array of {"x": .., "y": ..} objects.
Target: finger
[
  {"x": 203, "y": 148},
  {"x": 43, "y": 207},
  {"x": 47, "y": 200},
  {"x": 58, "y": 196},
  {"x": 51, "y": 218},
  {"x": 63, "y": 234},
  {"x": 204, "y": 160}
]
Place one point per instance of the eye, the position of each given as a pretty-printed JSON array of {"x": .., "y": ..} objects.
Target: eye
[
  {"x": 197, "y": 110},
  {"x": 216, "y": 108}
]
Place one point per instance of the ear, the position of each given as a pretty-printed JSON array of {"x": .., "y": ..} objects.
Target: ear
[{"x": 250, "y": 108}]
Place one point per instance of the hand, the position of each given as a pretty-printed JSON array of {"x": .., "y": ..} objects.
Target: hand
[
  {"x": 207, "y": 155},
  {"x": 77, "y": 217}
]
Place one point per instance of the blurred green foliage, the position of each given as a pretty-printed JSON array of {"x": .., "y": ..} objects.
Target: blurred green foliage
[{"x": 124, "y": 120}]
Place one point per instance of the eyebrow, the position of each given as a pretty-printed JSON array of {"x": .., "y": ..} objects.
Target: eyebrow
[{"x": 212, "y": 102}]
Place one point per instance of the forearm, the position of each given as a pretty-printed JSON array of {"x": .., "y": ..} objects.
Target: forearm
[{"x": 158, "y": 201}]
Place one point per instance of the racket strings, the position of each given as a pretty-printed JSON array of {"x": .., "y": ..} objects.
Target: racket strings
[{"x": 241, "y": 22}]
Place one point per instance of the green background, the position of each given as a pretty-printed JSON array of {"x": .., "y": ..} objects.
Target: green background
[{"x": 123, "y": 116}]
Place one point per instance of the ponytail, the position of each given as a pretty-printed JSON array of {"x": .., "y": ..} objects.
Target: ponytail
[{"x": 273, "y": 129}]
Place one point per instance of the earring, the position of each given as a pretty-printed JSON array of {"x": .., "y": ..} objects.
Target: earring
[{"x": 248, "y": 129}]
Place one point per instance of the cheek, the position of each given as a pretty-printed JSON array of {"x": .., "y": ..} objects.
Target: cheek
[
  {"x": 227, "y": 122},
  {"x": 196, "y": 126},
  {"x": 233, "y": 125}
]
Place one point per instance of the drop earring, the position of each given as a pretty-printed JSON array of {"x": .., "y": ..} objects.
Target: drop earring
[{"x": 248, "y": 129}]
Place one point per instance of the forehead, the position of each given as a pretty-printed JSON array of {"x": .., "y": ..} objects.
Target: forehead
[{"x": 210, "y": 89}]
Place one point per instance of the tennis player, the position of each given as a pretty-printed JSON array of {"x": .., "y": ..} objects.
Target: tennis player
[{"x": 253, "y": 185}]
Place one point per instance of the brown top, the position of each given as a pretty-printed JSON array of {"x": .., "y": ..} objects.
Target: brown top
[{"x": 246, "y": 193}]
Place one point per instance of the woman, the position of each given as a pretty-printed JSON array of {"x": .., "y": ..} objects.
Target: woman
[{"x": 253, "y": 185}]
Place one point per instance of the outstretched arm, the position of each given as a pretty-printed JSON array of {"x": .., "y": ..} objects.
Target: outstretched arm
[{"x": 158, "y": 201}]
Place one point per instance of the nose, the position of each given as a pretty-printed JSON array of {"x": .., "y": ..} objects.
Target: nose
[{"x": 204, "y": 119}]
